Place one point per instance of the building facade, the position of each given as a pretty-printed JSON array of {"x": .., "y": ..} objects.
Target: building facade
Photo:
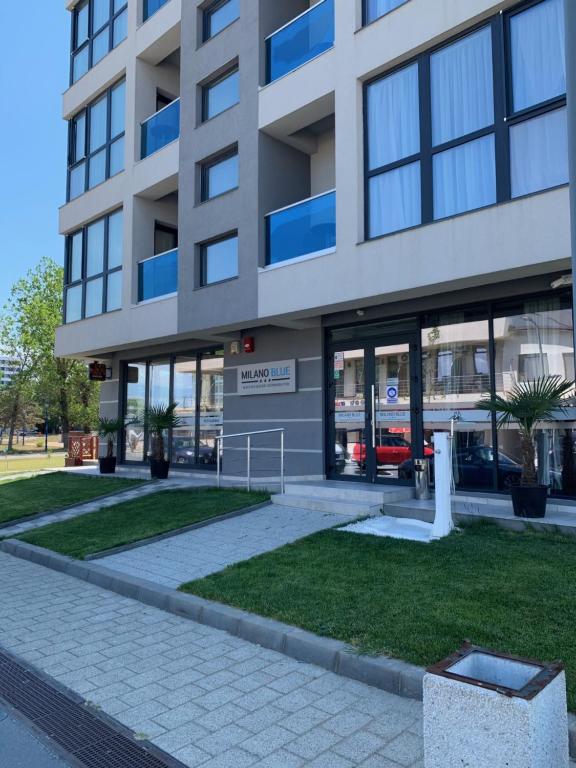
[
  {"x": 8, "y": 369},
  {"x": 347, "y": 219}
]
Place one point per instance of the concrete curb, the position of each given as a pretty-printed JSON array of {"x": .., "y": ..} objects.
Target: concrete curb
[
  {"x": 176, "y": 532},
  {"x": 40, "y": 515},
  {"x": 389, "y": 675}
]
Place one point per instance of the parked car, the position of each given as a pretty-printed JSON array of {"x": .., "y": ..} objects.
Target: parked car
[
  {"x": 340, "y": 458},
  {"x": 184, "y": 453},
  {"x": 393, "y": 449},
  {"x": 475, "y": 468}
]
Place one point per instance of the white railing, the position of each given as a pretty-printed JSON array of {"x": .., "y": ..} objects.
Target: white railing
[{"x": 249, "y": 435}]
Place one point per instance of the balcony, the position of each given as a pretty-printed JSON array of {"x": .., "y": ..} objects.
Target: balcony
[
  {"x": 158, "y": 276},
  {"x": 151, "y": 6},
  {"x": 161, "y": 129},
  {"x": 301, "y": 40},
  {"x": 303, "y": 229}
]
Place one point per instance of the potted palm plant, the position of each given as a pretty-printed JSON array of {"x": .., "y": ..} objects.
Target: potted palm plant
[
  {"x": 158, "y": 419},
  {"x": 527, "y": 405},
  {"x": 108, "y": 429}
]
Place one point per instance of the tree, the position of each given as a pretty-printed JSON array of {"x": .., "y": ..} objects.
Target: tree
[{"x": 27, "y": 335}]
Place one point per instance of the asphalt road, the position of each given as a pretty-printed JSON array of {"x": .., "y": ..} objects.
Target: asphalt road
[{"x": 20, "y": 747}]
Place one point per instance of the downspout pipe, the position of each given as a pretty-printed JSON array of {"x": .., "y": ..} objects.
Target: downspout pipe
[{"x": 570, "y": 14}]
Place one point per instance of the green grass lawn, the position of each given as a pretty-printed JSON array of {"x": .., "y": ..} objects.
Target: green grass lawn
[
  {"x": 140, "y": 519},
  {"x": 47, "y": 493},
  {"x": 509, "y": 591},
  {"x": 11, "y": 464}
]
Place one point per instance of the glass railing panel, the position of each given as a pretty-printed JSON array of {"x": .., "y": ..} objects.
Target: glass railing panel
[
  {"x": 151, "y": 6},
  {"x": 306, "y": 37},
  {"x": 161, "y": 129},
  {"x": 302, "y": 229},
  {"x": 158, "y": 276}
]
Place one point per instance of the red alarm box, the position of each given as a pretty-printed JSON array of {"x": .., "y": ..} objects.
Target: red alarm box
[{"x": 248, "y": 344}]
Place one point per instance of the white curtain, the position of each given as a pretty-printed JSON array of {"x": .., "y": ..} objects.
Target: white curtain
[
  {"x": 377, "y": 8},
  {"x": 539, "y": 153},
  {"x": 462, "y": 85},
  {"x": 115, "y": 239},
  {"x": 98, "y": 121},
  {"x": 95, "y": 249},
  {"x": 395, "y": 201},
  {"x": 393, "y": 118},
  {"x": 538, "y": 54},
  {"x": 465, "y": 177}
]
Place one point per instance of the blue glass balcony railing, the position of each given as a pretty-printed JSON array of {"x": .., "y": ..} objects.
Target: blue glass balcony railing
[
  {"x": 304, "y": 38},
  {"x": 302, "y": 229},
  {"x": 158, "y": 276},
  {"x": 151, "y": 6},
  {"x": 161, "y": 129}
]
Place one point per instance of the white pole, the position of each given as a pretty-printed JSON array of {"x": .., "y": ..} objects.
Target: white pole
[{"x": 443, "y": 523}]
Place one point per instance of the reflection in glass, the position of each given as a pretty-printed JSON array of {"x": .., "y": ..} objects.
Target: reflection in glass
[
  {"x": 377, "y": 8},
  {"x": 539, "y": 153},
  {"x": 347, "y": 371},
  {"x": 135, "y": 403},
  {"x": 158, "y": 392},
  {"x": 395, "y": 200},
  {"x": 161, "y": 129},
  {"x": 94, "y": 290},
  {"x": 211, "y": 407},
  {"x": 184, "y": 437},
  {"x": 302, "y": 229},
  {"x": 221, "y": 95},
  {"x": 465, "y": 177},
  {"x": 455, "y": 375},
  {"x": 221, "y": 17}
]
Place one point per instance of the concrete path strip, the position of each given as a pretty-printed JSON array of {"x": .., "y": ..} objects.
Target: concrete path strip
[
  {"x": 207, "y": 698},
  {"x": 198, "y": 553}
]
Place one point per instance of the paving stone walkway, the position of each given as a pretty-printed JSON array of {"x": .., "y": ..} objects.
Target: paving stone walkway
[
  {"x": 95, "y": 505},
  {"x": 196, "y": 554},
  {"x": 207, "y": 698}
]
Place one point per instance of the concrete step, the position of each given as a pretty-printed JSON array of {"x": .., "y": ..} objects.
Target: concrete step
[
  {"x": 334, "y": 505},
  {"x": 353, "y": 492}
]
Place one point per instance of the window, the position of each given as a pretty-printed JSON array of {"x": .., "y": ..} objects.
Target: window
[
  {"x": 93, "y": 269},
  {"x": 96, "y": 142},
  {"x": 435, "y": 128},
  {"x": 220, "y": 175},
  {"x": 374, "y": 9},
  {"x": 219, "y": 260},
  {"x": 165, "y": 238},
  {"x": 98, "y": 26},
  {"x": 220, "y": 94},
  {"x": 538, "y": 132},
  {"x": 220, "y": 15},
  {"x": 151, "y": 6}
]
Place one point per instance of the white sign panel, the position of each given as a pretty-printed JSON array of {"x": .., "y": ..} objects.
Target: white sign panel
[{"x": 267, "y": 378}]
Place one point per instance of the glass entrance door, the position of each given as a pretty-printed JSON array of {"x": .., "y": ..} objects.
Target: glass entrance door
[{"x": 375, "y": 414}]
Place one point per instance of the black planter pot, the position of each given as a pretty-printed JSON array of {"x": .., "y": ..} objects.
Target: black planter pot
[
  {"x": 159, "y": 469},
  {"x": 107, "y": 465},
  {"x": 529, "y": 500}
]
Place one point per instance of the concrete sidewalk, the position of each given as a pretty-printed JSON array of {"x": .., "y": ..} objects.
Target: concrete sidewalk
[
  {"x": 208, "y": 698},
  {"x": 198, "y": 553}
]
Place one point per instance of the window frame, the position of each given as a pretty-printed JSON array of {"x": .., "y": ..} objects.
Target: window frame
[
  {"x": 207, "y": 13},
  {"x": 92, "y": 34},
  {"x": 504, "y": 120},
  {"x": 84, "y": 279},
  {"x": 211, "y": 83},
  {"x": 207, "y": 165},
  {"x": 86, "y": 113},
  {"x": 203, "y": 253},
  {"x": 366, "y": 22}
]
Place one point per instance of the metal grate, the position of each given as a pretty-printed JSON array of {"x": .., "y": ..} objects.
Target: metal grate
[{"x": 93, "y": 739}]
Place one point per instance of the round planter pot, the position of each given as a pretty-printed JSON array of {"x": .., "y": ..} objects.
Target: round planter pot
[
  {"x": 529, "y": 500},
  {"x": 159, "y": 469},
  {"x": 107, "y": 465}
]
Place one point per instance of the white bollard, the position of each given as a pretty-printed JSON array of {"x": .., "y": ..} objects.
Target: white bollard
[
  {"x": 483, "y": 709},
  {"x": 443, "y": 523}
]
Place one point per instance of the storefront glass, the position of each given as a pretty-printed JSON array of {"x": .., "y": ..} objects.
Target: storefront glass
[
  {"x": 134, "y": 409},
  {"x": 211, "y": 407},
  {"x": 184, "y": 436}
]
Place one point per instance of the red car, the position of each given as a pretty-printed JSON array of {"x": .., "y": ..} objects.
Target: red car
[{"x": 393, "y": 449}]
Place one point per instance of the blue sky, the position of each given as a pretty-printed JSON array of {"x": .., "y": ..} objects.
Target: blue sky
[{"x": 33, "y": 75}]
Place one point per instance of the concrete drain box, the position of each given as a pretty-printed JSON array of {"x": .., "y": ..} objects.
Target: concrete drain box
[{"x": 484, "y": 709}]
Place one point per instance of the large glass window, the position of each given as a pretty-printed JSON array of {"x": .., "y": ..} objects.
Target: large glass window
[
  {"x": 219, "y": 260},
  {"x": 221, "y": 94},
  {"x": 436, "y": 127},
  {"x": 96, "y": 142},
  {"x": 220, "y": 175},
  {"x": 151, "y": 6},
  {"x": 534, "y": 338},
  {"x": 195, "y": 383},
  {"x": 93, "y": 269},
  {"x": 98, "y": 26},
  {"x": 374, "y": 9},
  {"x": 220, "y": 15}
]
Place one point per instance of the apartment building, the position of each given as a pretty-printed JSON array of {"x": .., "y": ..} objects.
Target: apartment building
[
  {"x": 347, "y": 219},
  {"x": 8, "y": 368}
]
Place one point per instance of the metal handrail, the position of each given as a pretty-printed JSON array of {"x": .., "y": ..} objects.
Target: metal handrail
[{"x": 249, "y": 436}]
